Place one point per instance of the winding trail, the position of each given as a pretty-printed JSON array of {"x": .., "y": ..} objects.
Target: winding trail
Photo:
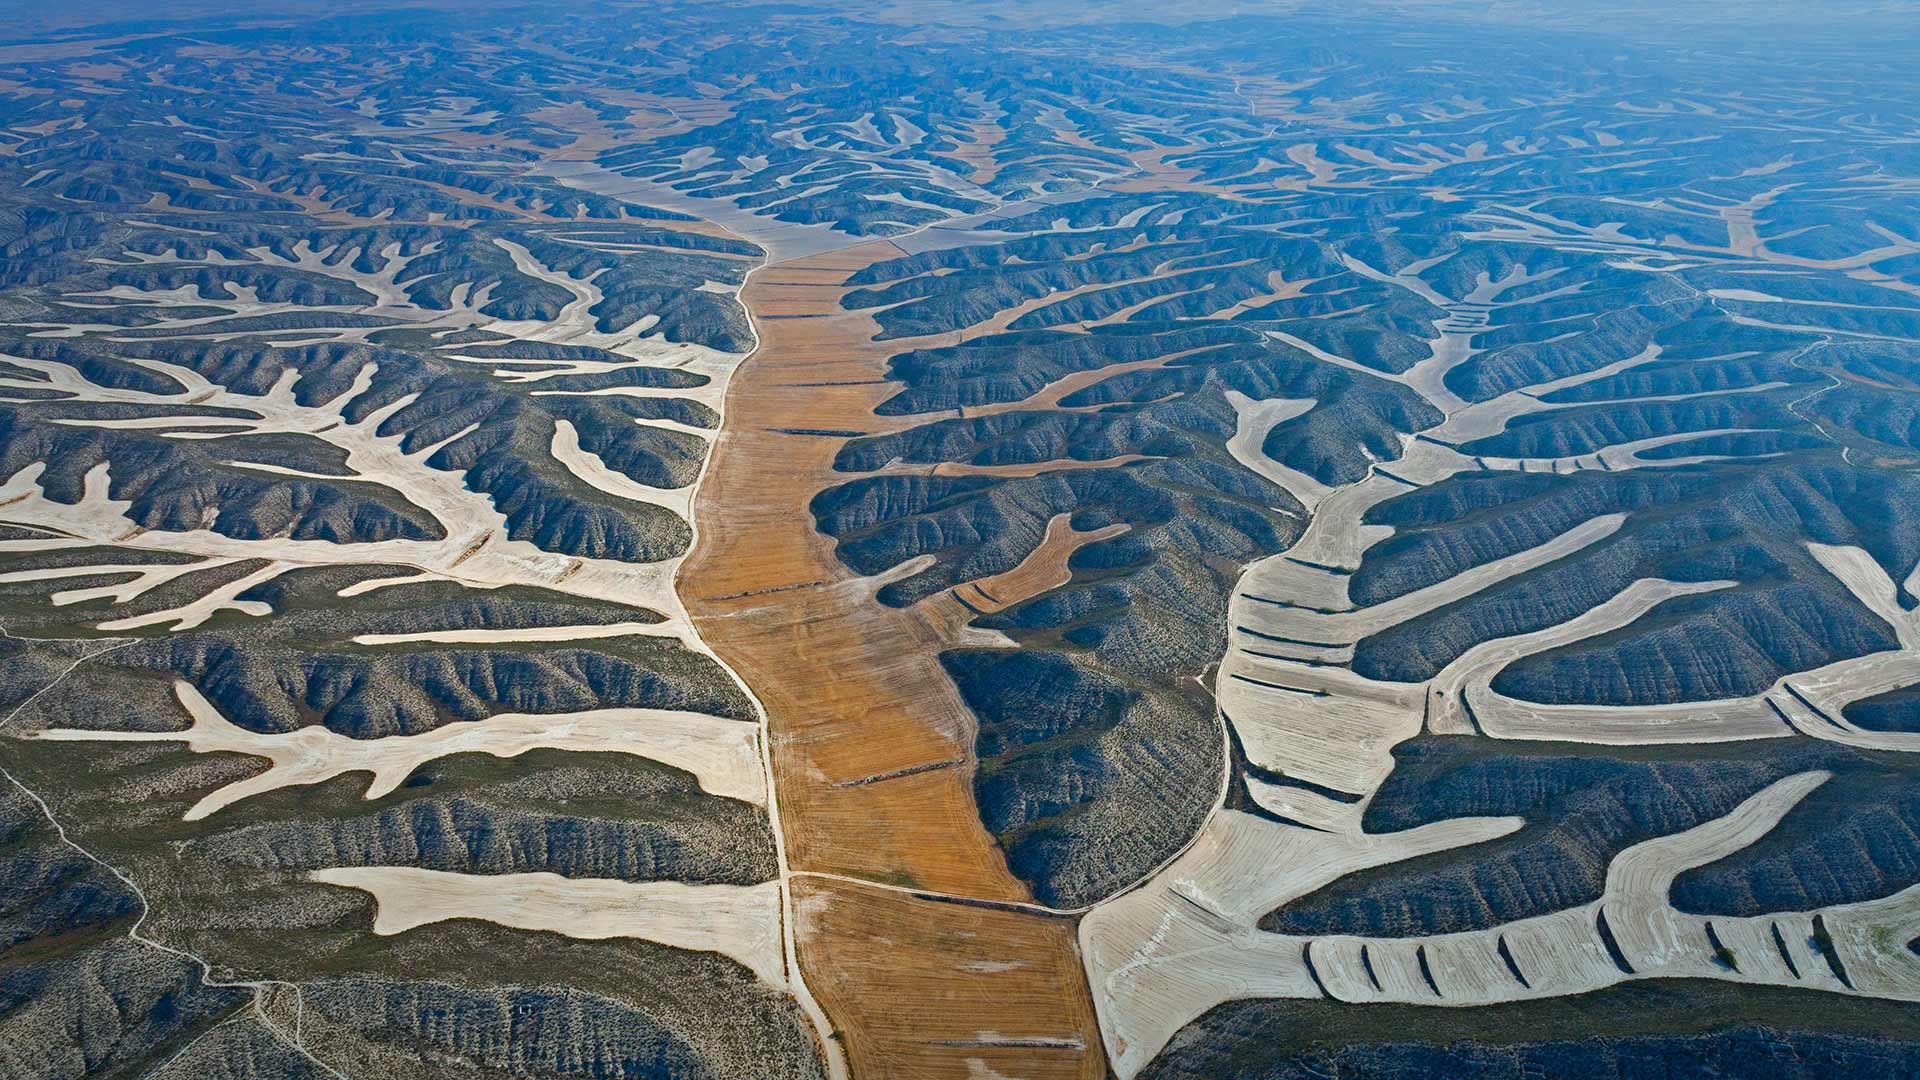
[{"x": 262, "y": 1003}]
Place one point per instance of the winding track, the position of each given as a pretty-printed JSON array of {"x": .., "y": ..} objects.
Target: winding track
[{"x": 260, "y": 1004}]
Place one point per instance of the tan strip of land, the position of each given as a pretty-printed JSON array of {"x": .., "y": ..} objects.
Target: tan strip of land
[
  {"x": 977, "y": 151},
  {"x": 866, "y": 727},
  {"x": 872, "y": 748},
  {"x": 1045, "y": 568},
  {"x": 929, "y": 988}
]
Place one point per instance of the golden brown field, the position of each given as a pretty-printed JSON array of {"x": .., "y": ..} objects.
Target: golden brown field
[{"x": 871, "y": 745}]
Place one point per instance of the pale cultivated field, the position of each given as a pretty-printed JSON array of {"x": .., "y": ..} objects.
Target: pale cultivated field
[
  {"x": 721, "y": 754},
  {"x": 740, "y": 922}
]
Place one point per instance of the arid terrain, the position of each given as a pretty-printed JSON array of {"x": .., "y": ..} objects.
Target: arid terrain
[{"x": 960, "y": 541}]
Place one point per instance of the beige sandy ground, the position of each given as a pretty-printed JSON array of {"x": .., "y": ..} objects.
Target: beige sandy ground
[
  {"x": 1526, "y": 225},
  {"x": 1466, "y": 697},
  {"x": 1621, "y": 455},
  {"x": 476, "y": 552},
  {"x": 1810, "y": 702},
  {"x": 1349, "y": 627},
  {"x": 721, "y": 754},
  {"x": 740, "y": 922},
  {"x": 587, "y": 465},
  {"x": 1254, "y": 419},
  {"x": 135, "y": 580}
]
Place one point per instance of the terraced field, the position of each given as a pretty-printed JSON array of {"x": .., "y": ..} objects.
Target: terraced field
[{"x": 976, "y": 542}]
